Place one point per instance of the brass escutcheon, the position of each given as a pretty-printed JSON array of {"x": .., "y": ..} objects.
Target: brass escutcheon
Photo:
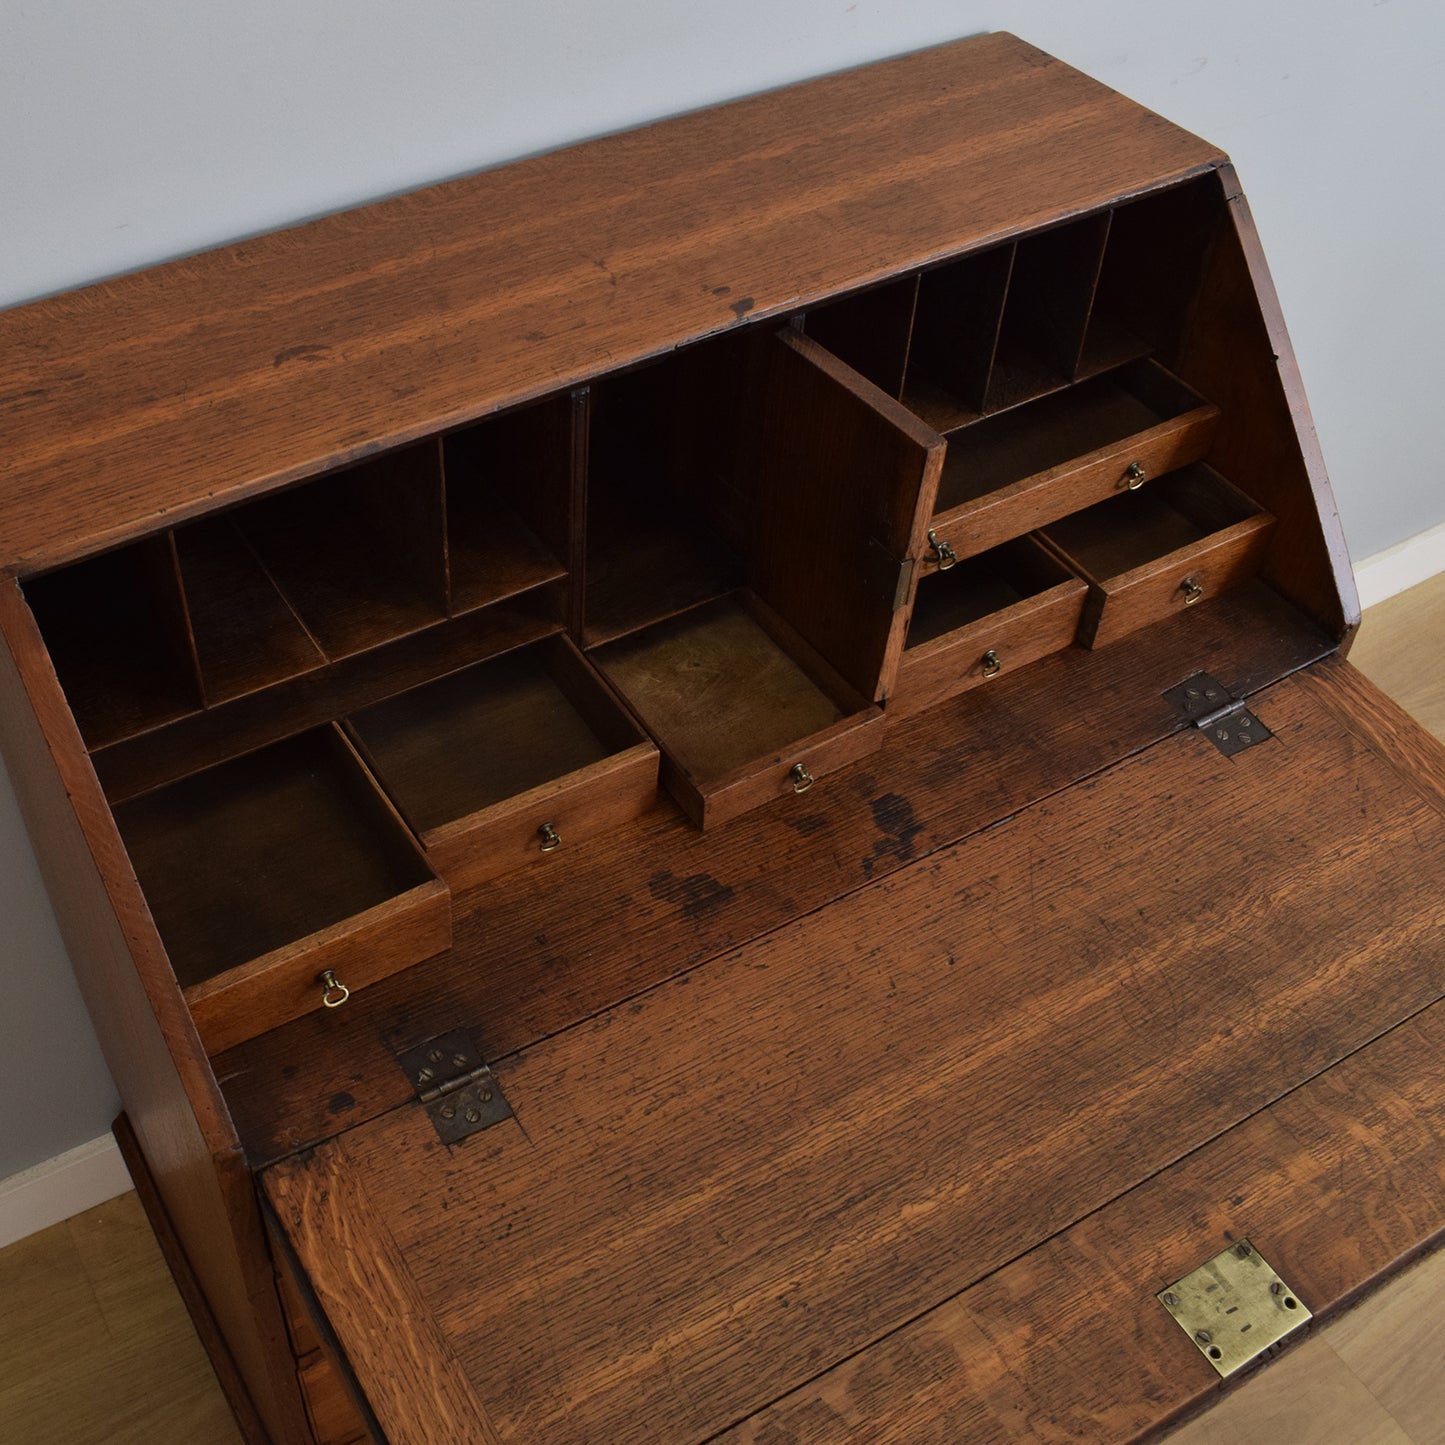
[
  {"x": 334, "y": 993},
  {"x": 1135, "y": 476},
  {"x": 550, "y": 837},
  {"x": 1192, "y": 591},
  {"x": 992, "y": 666},
  {"x": 800, "y": 778}
]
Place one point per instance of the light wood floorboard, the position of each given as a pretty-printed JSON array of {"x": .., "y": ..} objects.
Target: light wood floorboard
[{"x": 96, "y": 1347}]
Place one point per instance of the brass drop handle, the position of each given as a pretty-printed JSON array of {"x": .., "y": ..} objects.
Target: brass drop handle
[
  {"x": 992, "y": 666},
  {"x": 1192, "y": 591},
  {"x": 551, "y": 838},
  {"x": 943, "y": 554},
  {"x": 800, "y": 778},
  {"x": 1135, "y": 476},
  {"x": 334, "y": 993}
]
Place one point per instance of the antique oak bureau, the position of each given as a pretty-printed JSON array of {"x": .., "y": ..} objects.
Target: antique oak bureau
[{"x": 705, "y": 789}]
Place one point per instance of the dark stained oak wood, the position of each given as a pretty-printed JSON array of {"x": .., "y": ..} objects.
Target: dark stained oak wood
[
  {"x": 675, "y": 400},
  {"x": 528, "y": 960},
  {"x": 481, "y": 762},
  {"x": 204, "y": 380},
  {"x": 1266, "y": 442},
  {"x": 1139, "y": 551},
  {"x": 149, "y": 1040},
  {"x": 324, "y": 695},
  {"x": 233, "y": 1386},
  {"x": 736, "y": 700},
  {"x": 1006, "y": 475},
  {"x": 1339, "y": 1184},
  {"x": 1017, "y": 601},
  {"x": 847, "y": 481},
  {"x": 246, "y": 634},
  {"x": 763, "y": 1166},
  {"x": 366, "y": 1280}
]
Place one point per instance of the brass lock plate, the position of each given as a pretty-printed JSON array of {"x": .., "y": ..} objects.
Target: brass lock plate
[{"x": 1234, "y": 1307}]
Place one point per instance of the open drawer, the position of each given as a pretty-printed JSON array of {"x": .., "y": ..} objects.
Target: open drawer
[
  {"x": 983, "y": 617},
  {"x": 274, "y": 869},
  {"x": 743, "y": 708},
  {"x": 1007, "y": 474},
  {"x": 507, "y": 761},
  {"x": 1170, "y": 545}
]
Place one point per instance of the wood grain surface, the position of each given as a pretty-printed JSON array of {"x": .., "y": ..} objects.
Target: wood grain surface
[
  {"x": 764, "y": 1166},
  {"x": 148, "y": 1038},
  {"x": 276, "y": 357},
  {"x": 674, "y": 898},
  {"x": 1337, "y": 1184}
]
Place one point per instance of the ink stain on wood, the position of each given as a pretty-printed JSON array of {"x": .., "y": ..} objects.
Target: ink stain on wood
[{"x": 697, "y": 895}]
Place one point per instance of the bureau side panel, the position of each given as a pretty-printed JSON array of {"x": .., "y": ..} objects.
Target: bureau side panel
[
  {"x": 1238, "y": 354},
  {"x": 180, "y": 1120}
]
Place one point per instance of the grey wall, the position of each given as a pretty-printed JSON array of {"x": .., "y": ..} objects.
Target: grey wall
[{"x": 140, "y": 129}]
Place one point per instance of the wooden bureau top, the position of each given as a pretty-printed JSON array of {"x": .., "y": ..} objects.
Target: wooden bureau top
[{"x": 159, "y": 395}]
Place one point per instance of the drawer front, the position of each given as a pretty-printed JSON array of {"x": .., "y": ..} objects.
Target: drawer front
[
  {"x": 1045, "y": 497},
  {"x": 1184, "y": 578},
  {"x": 271, "y": 991},
  {"x": 539, "y": 826},
  {"x": 335, "y": 1420},
  {"x": 990, "y": 648},
  {"x": 775, "y": 778}
]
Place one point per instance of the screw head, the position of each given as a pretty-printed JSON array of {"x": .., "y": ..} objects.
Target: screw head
[
  {"x": 473, "y": 1114},
  {"x": 436, "y": 1056},
  {"x": 459, "y": 1061},
  {"x": 486, "y": 1096},
  {"x": 1171, "y": 1298},
  {"x": 449, "y": 1111},
  {"x": 1242, "y": 1250},
  {"x": 1276, "y": 1288},
  {"x": 424, "y": 1076},
  {"x": 1203, "y": 1336}
]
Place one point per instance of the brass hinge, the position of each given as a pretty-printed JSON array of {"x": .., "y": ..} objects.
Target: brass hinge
[
  {"x": 459, "y": 1092},
  {"x": 1217, "y": 713}
]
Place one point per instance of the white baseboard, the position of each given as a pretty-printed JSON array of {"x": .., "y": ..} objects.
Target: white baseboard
[
  {"x": 72, "y": 1182},
  {"x": 1401, "y": 567}
]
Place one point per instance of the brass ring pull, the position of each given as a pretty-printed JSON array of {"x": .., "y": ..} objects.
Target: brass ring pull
[
  {"x": 334, "y": 993},
  {"x": 550, "y": 837},
  {"x": 943, "y": 554},
  {"x": 800, "y": 778},
  {"x": 1135, "y": 475},
  {"x": 991, "y": 664},
  {"x": 1192, "y": 591}
]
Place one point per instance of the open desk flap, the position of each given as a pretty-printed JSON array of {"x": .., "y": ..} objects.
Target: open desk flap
[{"x": 883, "y": 1133}]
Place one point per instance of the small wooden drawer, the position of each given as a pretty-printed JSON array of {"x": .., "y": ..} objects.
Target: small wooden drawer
[
  {"x": 743, "y": 709},
  {"x": 267, "y": 871},
  {"x": 985, "y": 617},
  {"x": 1008, "y": 474},
  {"x": 510, "y": 761},
  {"x": 1149, "y": 553}
]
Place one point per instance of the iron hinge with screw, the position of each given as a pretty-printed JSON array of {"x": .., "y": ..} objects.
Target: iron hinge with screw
[
  {"x": 1217, "y": 713},
  {"x": 459, "y": 1092}
]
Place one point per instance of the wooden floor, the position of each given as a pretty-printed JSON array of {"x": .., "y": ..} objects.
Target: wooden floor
[{"x": 95, "y": 1345}]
